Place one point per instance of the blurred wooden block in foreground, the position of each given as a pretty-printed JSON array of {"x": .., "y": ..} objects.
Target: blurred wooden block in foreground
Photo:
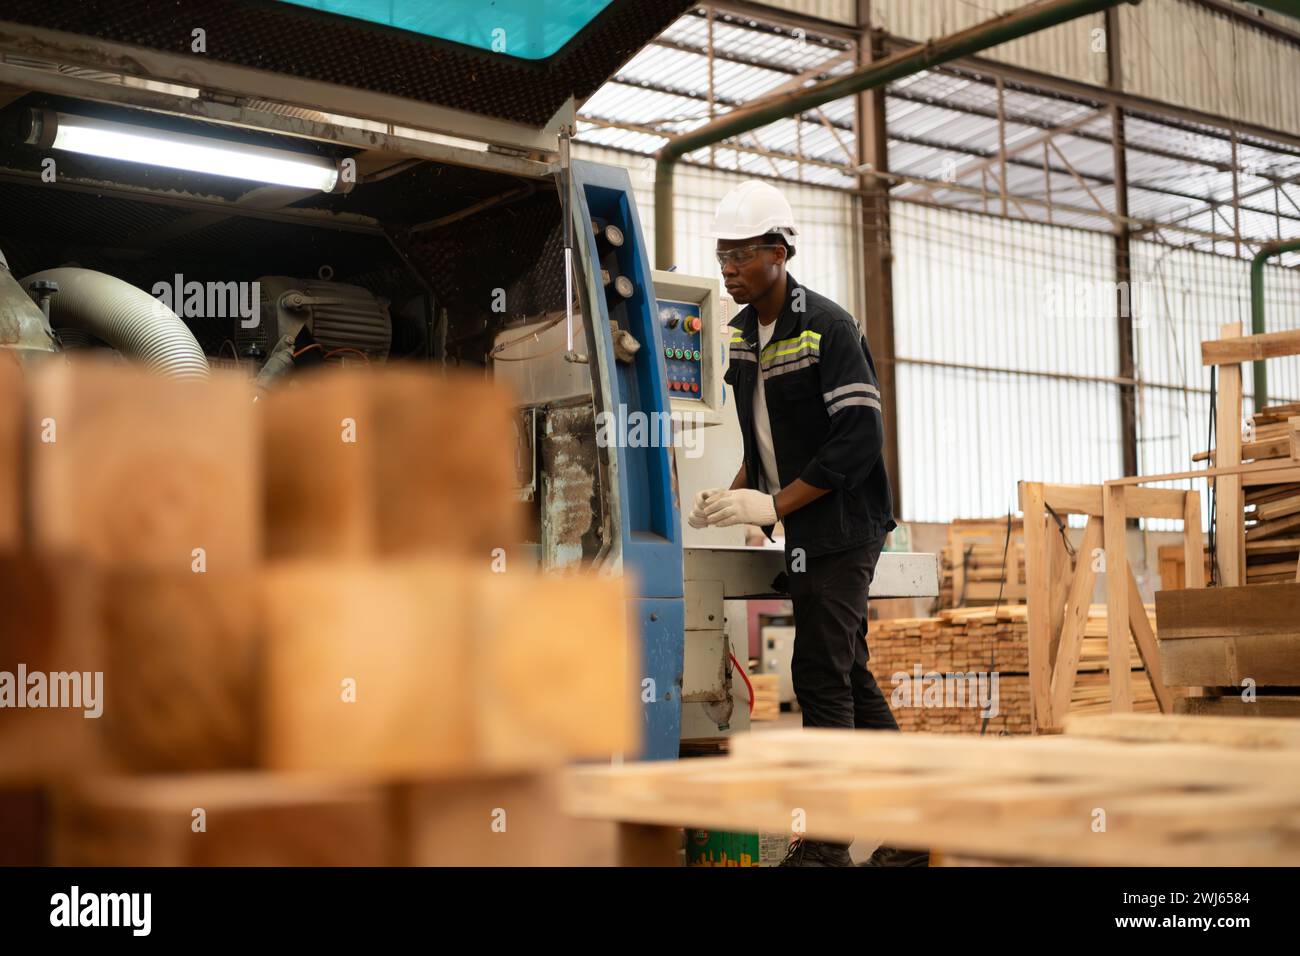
[
  {"x": 133, "y": 470},
  {"x": 245, "y": 819},
  {"x": 13, "y": 417},
  {"x": 434, "y": 666},
  {"x": 52, "y": 688},
  {"x": 389, "y": 463},
  {"x": 513, "y": 820}
]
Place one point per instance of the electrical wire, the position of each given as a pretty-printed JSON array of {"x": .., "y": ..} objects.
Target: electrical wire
[
  {"x": 334, "y": 352},
  {"x": 745, "y": 677}
]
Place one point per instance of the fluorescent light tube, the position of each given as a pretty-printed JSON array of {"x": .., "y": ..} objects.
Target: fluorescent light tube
[{"x": 197, "y": 154}]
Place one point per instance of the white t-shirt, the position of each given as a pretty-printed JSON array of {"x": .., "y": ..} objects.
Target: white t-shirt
[{"x": 762, "y": 427}]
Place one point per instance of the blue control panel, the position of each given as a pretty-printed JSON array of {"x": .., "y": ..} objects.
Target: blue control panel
[{"x": 680, "y": 324}]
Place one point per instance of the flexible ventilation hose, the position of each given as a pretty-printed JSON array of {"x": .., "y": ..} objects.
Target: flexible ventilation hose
[{"x": 129, "y": 319}]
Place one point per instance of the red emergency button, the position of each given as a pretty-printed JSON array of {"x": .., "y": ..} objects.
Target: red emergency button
[{"x": 693, "y": 324}]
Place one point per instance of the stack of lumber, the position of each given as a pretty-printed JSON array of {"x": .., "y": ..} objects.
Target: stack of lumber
[
  {"x": 1272, "y": 510},
  {"x": 971, "y": 565},
  {"x": 298, "y": 623},
  {"x": 767, "y": 696},
  {"x": 1241, "y": 644},
  {"x": 1124, "y": 789},
  {"x": 984, "y": 640}
]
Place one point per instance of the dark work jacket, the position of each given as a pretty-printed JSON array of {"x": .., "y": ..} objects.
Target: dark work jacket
[{"x": 823, "y": 404}]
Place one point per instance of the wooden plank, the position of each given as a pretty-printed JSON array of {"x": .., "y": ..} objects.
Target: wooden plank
[
  {"x": 1117, "y": 599},
  {"x": 1228, "y": 488},
  {"x": 1078, "y": 605},
  {"x": 1270, "y": 660},
  {"x": 1272, "y": 529},
  {"x": 1038, "y": 588},
  {"x": 1227, "y": 731},
  {"x": 1145, "y": 640},
  {"x": 1193, "y": 542},
  {"x": 1254, "y": 609},
  {"x": 1087, "y": 500},
  {"x": 1019, "y": 757},
  {"x": 1269, "y": 707},
  {"x": 143, "y": 469},
  {"x": 247, "y": 819},
  {"x": 1250, "y": 348},
  {"x": 1059, "y": 582}
]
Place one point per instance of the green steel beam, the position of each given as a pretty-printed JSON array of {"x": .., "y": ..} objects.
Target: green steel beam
[{"x": 1265, "y": 253}]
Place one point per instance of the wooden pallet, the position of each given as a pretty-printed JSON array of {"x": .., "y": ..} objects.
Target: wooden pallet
[{"x": 1186, "y": 791}]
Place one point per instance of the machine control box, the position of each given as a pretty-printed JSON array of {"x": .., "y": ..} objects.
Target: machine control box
[{"x": 692, "y": 325}]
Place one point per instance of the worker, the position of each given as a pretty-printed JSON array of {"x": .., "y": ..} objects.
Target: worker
[{"x": 809, "y": 409}]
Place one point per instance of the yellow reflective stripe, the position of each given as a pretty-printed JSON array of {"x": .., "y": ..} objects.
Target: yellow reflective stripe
[{"x": 808, "y": 339}]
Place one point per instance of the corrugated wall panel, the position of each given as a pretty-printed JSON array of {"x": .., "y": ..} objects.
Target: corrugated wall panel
[
  {"x": 1185, "y": 54},
  {"x": 1031, "y": 300},
  {"x": 841, "y": 11},
  {"x": 828, "y": 259},
  {"x": 1074, "y": 50}
]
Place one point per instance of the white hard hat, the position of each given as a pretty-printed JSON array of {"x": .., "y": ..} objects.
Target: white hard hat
[{"x": 754, "y": 208}]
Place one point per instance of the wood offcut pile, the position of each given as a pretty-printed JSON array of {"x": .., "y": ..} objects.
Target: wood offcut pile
[
  {"x": 767, "y": 696},
  {"x": 971, "y": 565},
  {"x": 294, "y": 615},
  {"x": 981, "y": 641},
  {"x": 1272, "y": 511}
]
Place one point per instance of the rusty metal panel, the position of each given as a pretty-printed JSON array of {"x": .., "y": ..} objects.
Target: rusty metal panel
[
  {"x": 1185, "y": 54},
  {"x": 1075, "y": 50}
]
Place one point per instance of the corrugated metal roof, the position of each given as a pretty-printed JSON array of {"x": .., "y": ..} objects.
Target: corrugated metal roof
[{"x": 944, "y": 132}]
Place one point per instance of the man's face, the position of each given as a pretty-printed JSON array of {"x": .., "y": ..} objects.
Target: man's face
[{"x": 746, "y": 281}]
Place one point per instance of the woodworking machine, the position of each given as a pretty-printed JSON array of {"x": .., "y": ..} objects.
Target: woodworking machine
[{"x": 395, "y": 184}]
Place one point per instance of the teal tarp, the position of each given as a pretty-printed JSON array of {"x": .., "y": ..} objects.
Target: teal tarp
[{"x": 528, "y": 29}]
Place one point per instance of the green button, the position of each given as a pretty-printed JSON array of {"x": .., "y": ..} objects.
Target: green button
[
  {"x": 697, "y": 355},
  {"x": 679, "y": 353},
  {"x": 668, "y": 353}
]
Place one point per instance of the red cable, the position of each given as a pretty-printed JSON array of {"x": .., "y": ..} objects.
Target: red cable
[{"x": 748, "y": 685}]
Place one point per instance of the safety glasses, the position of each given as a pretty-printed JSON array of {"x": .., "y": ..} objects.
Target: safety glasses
[{"x": 742, "y": 255}]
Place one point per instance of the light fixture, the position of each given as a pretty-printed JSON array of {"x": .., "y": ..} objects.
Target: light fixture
[{"x": 197, "y": 154}]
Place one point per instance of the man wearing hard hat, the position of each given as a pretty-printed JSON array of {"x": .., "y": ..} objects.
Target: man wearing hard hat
[{"x": 809, "y": 409}]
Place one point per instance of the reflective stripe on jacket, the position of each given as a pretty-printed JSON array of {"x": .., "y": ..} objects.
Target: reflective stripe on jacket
[{"x": 823, "y": 404}]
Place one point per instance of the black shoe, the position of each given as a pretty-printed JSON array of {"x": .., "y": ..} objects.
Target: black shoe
[
  {"x": 817, "y": 853},
  {"x": 895, "y": 856}
]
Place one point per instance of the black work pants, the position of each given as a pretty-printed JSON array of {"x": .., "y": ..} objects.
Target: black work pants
[{"x": 829, "y": 665}]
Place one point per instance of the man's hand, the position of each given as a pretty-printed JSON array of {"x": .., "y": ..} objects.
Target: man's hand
[
  {"x": 741, "y": 506},
  {"x": 697, "y": 518}
]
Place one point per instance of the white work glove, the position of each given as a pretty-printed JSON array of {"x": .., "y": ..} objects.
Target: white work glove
[
  {"x": 741, "y": 506},
  {"x": 696, "y": 519}
]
